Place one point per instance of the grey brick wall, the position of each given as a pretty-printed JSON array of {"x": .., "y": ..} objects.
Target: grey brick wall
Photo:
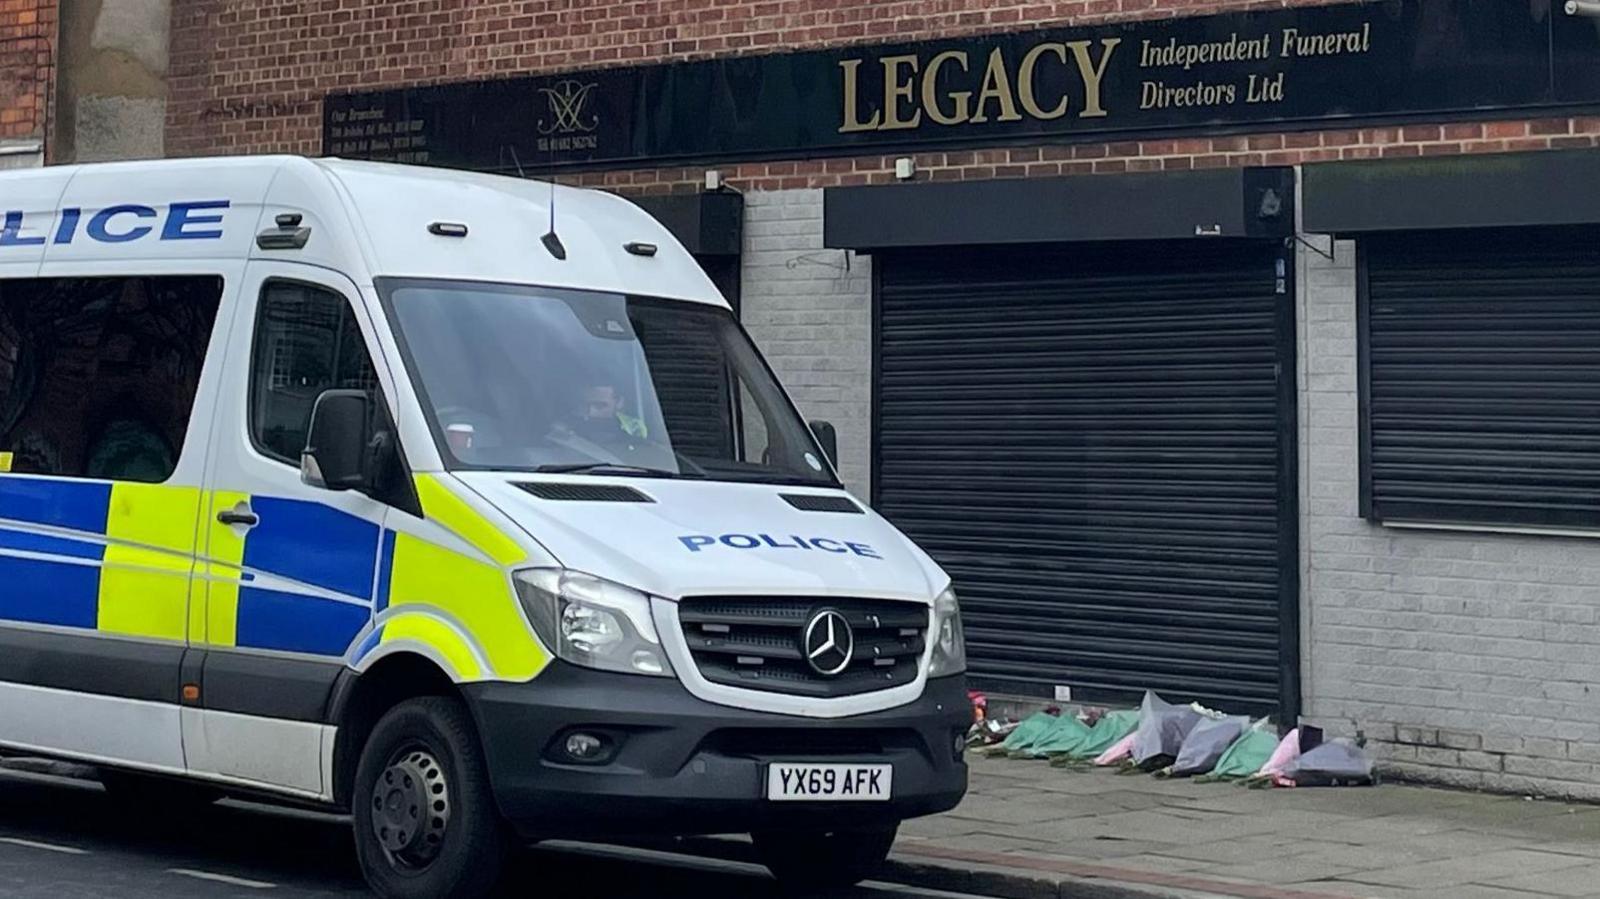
[
  {"x": 1469, "y": 658},
  {"x": 812, "y": 318}
]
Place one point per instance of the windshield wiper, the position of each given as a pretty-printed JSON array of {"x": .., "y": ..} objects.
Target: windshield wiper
[{"x": 614, "y": 468}]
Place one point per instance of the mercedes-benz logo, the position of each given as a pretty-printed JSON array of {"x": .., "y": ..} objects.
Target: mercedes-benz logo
[{"x": 829, "y": 643}]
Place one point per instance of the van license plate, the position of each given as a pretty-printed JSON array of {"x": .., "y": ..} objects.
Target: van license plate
[{"x": 788, "y": 782}]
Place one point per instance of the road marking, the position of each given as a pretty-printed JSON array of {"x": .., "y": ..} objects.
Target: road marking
[
  {"x": 48, "y": 847},
  {"x": 223, "y": 878}
]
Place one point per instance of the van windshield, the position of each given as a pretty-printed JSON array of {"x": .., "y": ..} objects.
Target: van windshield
[{"x": 541, "y": 379}]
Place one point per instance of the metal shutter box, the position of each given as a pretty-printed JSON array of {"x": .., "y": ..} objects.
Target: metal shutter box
[{"x": 1096, "y": 442}]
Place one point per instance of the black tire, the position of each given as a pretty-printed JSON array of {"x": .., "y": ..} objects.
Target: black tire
[
  {"x": 426, "y": 753},
  {"x": 147, "y": 792},
  {"x": 813, "y": 861}
]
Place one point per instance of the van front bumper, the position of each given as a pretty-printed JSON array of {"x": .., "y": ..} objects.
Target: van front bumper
[{"x": 684, "y": 766}]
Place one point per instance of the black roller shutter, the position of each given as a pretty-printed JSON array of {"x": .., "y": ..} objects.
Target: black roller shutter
[
  {"x": 1481, "y": 375},
  {"x": 691, "y": 381},
  {"x": 1096, "y": 442}
]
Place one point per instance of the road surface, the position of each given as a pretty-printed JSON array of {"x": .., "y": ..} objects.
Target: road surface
[{"x": 63, "y": 838}]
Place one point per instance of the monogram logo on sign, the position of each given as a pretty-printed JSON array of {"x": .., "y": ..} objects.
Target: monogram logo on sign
[{"x": 567, "y": 101}]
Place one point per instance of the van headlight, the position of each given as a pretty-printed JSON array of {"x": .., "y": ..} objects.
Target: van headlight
[
  {"x": 949, "y": 644},
  {"x": 592, "y": 622}
]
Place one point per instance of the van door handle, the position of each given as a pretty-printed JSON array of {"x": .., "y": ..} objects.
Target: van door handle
[{"x": 234, "y": 516}]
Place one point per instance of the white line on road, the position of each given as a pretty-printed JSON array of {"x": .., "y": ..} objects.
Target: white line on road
[
  {"x": 223, "y": 878},
  {"x": 48, "y": 847}
]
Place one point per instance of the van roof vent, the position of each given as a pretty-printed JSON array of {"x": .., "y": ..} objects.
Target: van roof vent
[
  {"x": 564, "y": 491},
  {"x": 815, "y": 502}
]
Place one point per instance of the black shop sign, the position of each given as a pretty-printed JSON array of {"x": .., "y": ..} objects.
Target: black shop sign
[{"x": 1389, "y": 61}]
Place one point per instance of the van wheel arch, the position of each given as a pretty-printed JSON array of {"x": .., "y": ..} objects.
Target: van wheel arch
[{"x": 360, "y": 699}]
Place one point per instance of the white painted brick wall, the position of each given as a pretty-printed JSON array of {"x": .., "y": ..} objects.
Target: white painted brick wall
[
  {"x": 1469, "y": 658},
  {"x": 21, "y": 154},
  {"x": 812, "y": 318}
]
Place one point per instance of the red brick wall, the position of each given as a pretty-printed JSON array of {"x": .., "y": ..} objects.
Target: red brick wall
[
  {"x": 248, "y": 76},
  {"x": 27, "y": 49}
]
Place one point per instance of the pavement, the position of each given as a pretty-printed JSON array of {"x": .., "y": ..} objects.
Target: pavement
[
  {"x": 1028, "y": 830},
  {"x": 1025, "y": 831}
]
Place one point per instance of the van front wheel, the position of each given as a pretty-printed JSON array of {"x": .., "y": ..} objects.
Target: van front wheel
[
  {"x": 425, "y": 820},
  {"x": 823, "y": 860}
]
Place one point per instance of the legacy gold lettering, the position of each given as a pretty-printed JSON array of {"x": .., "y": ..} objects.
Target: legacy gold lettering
[
  {"x": 930, "y": 90},
  {"x": 852, "y": 71},
  {"x": 1093, "y": 74},
  {"x": 1035, "y": 88},
  {"x": 996, "y": 86},
  {"x": 1025, "y": 82},
  {"x": 894, "y": 91}
]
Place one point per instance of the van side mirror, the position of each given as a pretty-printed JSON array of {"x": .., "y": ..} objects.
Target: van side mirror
[
  {"x": 336, "y": 452},
  {"x": 829, "y": 438}
]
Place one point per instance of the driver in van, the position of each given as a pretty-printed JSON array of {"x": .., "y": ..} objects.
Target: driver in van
[{"x": 603, "y": 417}]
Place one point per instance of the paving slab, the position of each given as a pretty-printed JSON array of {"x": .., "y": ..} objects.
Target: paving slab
[
  {"x": 1503, "y": 812},
  {"x": 1466, "y": 891},
  {"x": 1584, "y": 881},
  {"x": 1448, "y": 844},
  {"x": 1388, "y": 855},
  {"x": 941, "y": 826},
  {"x": 1106, "y": 848},
  {"x": 1473, "y": 891},
  {"x": 1240, "y": 851},
  {"x": 1347, "y": 888},
  {"x": 1017, "y": 811},
  {"x": 1004, "y": 842},
  {"x": 1478, "y": 868},
  {"x": 1578, "y": 824},
  {"x": 1283, "y": 870},
  {"x": 1163, "y": 863},
  {"x": 1374, "y": 831},
  {"x": 1585, "y": 848}
]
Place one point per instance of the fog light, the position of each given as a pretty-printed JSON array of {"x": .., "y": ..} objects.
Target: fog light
[
  {"x": 645, "y": 662},
  {"x": 583, "y": 747}
]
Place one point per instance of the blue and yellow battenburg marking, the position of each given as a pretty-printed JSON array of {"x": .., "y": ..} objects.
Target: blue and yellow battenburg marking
[
  {"x": 118, "y": 558},
  {"x": 462, "y": 606},
  {"x": 110, "y": 557},
  {"x": 254, "y": 602}
]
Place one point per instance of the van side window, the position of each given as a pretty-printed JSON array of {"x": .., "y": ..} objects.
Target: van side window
[
  {"x": 306, "y": 341},
  {"x": 98, "y": 375}
]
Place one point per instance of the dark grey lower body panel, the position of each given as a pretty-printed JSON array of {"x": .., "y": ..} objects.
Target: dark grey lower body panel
[
  {"x": 107, "y": 666},
  {"x": 245, "y": 683}
]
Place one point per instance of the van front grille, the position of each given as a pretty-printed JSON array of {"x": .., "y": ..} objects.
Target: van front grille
[{"x": 758, "y": 643}]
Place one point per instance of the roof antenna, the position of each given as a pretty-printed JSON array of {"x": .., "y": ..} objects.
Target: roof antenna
[{"x": 551, "y": 240}]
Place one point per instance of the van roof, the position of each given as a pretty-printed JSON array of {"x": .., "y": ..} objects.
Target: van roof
[{"x": 367, "y": 219}]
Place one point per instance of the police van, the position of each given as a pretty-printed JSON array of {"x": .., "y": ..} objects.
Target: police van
[{"x": 458, "y": 501}]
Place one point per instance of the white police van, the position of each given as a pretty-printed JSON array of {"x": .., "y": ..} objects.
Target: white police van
[{"x": 394, "y": 490}]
